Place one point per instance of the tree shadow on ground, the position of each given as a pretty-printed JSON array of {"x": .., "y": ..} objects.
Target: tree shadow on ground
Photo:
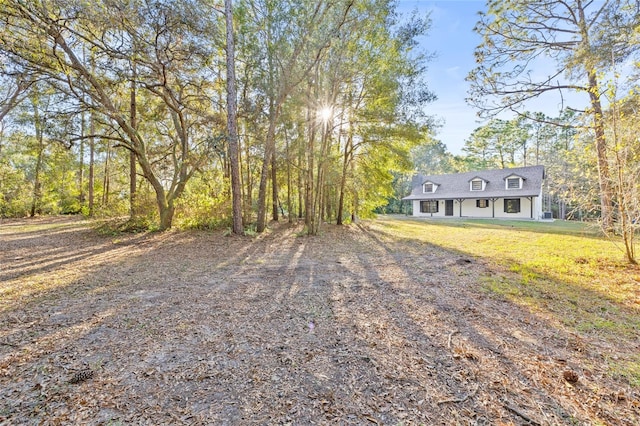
[
  {"x": 350, "y": 327},
  {"x": 539, "y": 331}
]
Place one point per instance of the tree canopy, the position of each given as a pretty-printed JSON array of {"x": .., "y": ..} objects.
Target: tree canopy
[
  {"x": 146, "y": 81},
  {"x": 536, "y": 48}
]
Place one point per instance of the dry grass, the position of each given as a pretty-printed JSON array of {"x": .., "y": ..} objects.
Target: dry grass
[{"x": 563, "y": 270}]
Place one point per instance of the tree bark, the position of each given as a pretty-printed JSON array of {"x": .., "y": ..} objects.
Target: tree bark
[
  {"x": 348, "y": 149},
  {"x": 289, "y": 206},
  {"x": 248, "y": 202},
  {"x": 91, "y": 164},
  {"x": 232, "y": 124},
  {"x": 269, "y": 151},
  {"x": 309, "y": 211},
  {"x": 319, "y": 187},
  {"x": 300, "y": 188},
  {"x": 604, "y": 179},
  {"x": 37, "y": 185},
  {"x": 81, "y": 168},
  {"x": 132, "y": 154},
  {"x": 274, "y": 187},
  {"x": 106, "y": 179}
]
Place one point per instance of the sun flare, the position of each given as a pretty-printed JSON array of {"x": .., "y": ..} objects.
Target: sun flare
[{"x": 326, "y": 113}]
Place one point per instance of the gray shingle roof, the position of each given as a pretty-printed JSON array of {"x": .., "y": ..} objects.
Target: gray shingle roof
[{"x": 456, "y": 186}]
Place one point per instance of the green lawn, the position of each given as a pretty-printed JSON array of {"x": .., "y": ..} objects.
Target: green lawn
[{"x": 563, "y": 270}]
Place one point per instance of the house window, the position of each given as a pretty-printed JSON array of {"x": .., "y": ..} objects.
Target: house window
[
  {"x": 427, "y": 187},
  {"x": 476, "y": 185},
  {"x": 512, "y": 205},
  {"x": 513, "y": 183},
  {"x": 430, "y": 206},
  {"x": 482, "y": 203}
]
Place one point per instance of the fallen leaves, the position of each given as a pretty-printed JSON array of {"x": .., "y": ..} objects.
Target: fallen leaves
[{"x": 351, "y": 327}]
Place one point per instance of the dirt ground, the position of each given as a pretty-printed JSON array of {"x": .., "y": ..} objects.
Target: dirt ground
[{"x": 350, "y": 327}]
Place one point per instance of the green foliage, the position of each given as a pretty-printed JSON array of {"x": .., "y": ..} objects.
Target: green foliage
[
  {"x": 250, "y": 230},
  {"x": 205, "y": 203},
  {"x": 14, "y": 202},
  {"x": 15, "y": 190},
  {"x": 58, "y": 190},
  {"x": 499, "y": 144},
  {"x": 431, "y": 157},
  {"x": 293, "y": 58}
]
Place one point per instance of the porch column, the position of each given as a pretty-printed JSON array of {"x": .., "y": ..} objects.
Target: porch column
[
  {"x": 460, "y": 200},
  {"x": 531, "y": 203},
  {"x": 493, "y": 207}
]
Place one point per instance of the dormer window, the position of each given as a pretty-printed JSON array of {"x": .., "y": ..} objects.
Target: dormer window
[
  {"x": 429, "y": 187},
  {"x": 514, "y": 182},
  {"x": 477, "y": 185}
]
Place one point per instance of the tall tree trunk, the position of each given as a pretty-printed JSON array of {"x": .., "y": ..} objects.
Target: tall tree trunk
[
  {"x": 269, "y": 151},
  {"x": 300, "y": 188},
  {"x": 593, "y": 89},
  {"x": 248, "y": 202},
  {"x": 354, "y": 193},
  {"x": 299, "y": 170},
  {"x": 319, "y": 196},
  {"x": 274, "y": 187},
  {"x": 348, "y": 149},
  {"x": 604, "y": 179},
  {"x": 289, "y": 206},
  {"x": 37, "y": 184},
  {"x": 309, "y": 211},
  {"x": 81, "y": 168},
  {"x": 132, "y": 155},
  {"x": 106, "y": 179},
  {"x": 92, "y": 153},
  {"x": 232, "y": 124}
]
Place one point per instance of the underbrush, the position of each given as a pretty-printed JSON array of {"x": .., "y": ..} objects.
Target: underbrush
[{"x": 125, "y": 225}]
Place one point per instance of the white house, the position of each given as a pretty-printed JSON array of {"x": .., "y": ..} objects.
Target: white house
[{"x": 506, "y": 193}]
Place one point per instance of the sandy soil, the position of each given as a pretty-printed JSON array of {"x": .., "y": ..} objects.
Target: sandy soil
[{"x": 350, "y": 327}]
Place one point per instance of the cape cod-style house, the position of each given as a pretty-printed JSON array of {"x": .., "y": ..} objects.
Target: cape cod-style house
[{"x": 506, "y": 193}]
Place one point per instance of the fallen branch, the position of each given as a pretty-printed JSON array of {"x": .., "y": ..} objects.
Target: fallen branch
[
  {"x": 458, "y": 400},
  {"x": 520, "y": 414}
]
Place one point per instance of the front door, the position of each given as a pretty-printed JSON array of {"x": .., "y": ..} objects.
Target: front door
[{"x": 448, "y": 207}]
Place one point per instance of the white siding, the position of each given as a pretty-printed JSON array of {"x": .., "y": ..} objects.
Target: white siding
[
  {"x": 417, "y": 213},
  {"x": 469, "y": 209},
  {"x": 525, "y": 209}
]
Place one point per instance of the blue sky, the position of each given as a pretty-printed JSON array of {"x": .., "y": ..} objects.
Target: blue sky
[{"x": 452, "y": 39}]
